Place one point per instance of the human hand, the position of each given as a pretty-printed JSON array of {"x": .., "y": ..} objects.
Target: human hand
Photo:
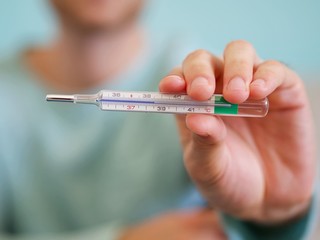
[
  {"x": 257, "y": 169},
  {"x": 197, "y": 224}
]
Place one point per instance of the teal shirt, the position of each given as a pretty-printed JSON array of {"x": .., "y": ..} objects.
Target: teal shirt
[
  {"x": 74, "y": 172},
  {"x": 69, "y": 168}
]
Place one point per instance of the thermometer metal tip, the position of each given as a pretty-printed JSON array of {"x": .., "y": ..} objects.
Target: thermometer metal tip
[{"x": 60, "y": 98}]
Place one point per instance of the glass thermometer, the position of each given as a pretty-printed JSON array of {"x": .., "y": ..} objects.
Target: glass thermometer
[{"x": 165, "y": 103}]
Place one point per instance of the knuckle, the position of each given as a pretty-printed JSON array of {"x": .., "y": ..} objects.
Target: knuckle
[
  {"x": 202, "y": 176},
  {"x": 267, "y": 73},
  {"x": 199, "y": 66},
  {"x": 198, "y": 63},
  {"x": 207, "y": 175},
  {"x": 239, "y": 67},
  {"x": 242, "y": 64}
]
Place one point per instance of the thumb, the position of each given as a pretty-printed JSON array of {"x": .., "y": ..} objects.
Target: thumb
[
  {"x": 202, "y": 136},
  {"x": 208, "y": 130},
  {"x": 205, "y": 154}
]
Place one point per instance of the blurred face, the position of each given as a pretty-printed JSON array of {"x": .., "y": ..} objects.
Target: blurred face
[{"x": 98, "y": 14}]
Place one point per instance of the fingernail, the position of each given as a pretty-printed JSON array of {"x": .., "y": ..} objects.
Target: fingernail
[
  {"x": 236, "y": 84},
  {"x": 259, "y": 83},
  {"x": 199, "y": 84}
]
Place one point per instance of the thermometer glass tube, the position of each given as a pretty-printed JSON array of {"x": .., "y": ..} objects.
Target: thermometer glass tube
[{"x": 165, "y": 103}]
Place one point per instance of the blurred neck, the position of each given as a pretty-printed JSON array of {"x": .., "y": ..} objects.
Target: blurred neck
[{"x": 80, "y": 60}]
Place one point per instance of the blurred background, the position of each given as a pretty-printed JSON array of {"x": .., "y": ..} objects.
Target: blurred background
[{"x": 284, "y": 30}]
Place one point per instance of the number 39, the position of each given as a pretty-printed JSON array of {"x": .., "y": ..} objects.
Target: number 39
[{"x": 161, "y": 108}]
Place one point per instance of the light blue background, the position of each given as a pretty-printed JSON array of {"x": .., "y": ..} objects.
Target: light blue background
[{"x": 287, "y": 30}]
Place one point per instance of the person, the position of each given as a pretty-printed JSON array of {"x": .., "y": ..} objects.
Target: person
[{"x": 73, "y": 172}]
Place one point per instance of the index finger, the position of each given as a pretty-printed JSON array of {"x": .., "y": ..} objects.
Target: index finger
[{"x": 201, "y": 69}]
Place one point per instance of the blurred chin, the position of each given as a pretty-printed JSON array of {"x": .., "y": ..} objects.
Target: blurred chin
[
  {"x": 102, "y": 22},
  {"x": 98, "y": 14}
]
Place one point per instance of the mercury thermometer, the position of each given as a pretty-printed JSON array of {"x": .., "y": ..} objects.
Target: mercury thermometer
[{"x": 165, "y": 103}]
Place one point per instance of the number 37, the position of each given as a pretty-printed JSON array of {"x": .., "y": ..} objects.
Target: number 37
[{"x": 131, "y": 107}]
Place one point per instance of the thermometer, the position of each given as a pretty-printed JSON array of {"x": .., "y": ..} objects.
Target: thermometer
[{"x": 165, "y": 103}]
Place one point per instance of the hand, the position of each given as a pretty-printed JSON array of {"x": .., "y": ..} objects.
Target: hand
[
  {"x": 258, "y": 169},
  {"x": 197, "y": 224}
]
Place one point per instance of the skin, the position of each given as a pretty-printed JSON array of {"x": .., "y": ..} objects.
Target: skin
[
  {"x": 91, "y": 16},
  {"x": 257, "y": 169},
  {"x": 98, "y": 39}
]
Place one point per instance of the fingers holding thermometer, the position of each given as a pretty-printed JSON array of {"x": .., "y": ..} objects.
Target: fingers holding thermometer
[
  {"x": 219, "y": 151},
  {"x": 204, "y": 137},
  {"x": 240, "y": 75},
  {"x": 201, "y": 72}
]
